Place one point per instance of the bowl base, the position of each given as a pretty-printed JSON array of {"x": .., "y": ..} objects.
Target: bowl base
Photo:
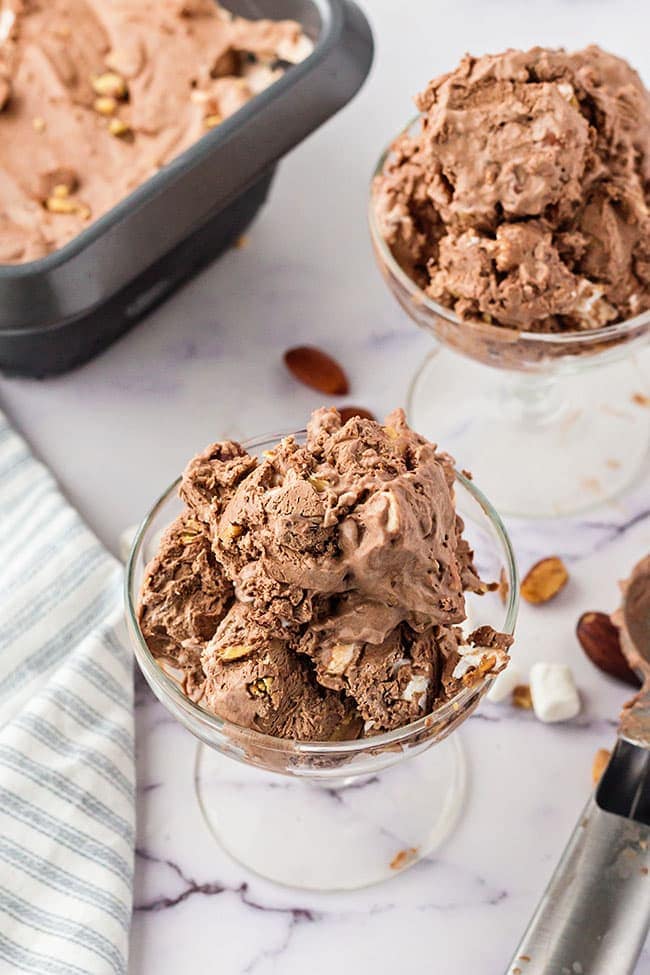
[
  {"x": 539, "y": 445},
  {"x": 338, "y": 835}
]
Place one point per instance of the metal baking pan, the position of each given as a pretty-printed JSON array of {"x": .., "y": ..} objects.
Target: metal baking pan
[{"x": 62, "y": 309}]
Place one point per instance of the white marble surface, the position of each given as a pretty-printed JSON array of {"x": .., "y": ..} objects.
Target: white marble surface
[{"x": 208, "y": 365}]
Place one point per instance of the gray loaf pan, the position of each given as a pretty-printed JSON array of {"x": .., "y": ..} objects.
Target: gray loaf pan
[{"x": 62, "y": 309}]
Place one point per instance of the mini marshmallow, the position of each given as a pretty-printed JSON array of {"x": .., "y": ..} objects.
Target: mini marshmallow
[
  {"x": 554, "y": 693},
  {"x": 417, "y": 686},
  {"x": 126, "y": 541},
  {"x": 469, "y": 658},
  {"x": 504, "y": 684}
]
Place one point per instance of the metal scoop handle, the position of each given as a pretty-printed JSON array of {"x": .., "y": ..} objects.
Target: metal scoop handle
[{"x": 594, "y": 915}]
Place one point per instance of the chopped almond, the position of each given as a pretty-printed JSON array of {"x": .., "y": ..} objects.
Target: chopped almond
[
  {"x": 601, "y": 758},
  {"x": 522, "y": 698}
]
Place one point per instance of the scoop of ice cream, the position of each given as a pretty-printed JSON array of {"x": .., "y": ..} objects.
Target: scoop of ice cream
[
  {"x": 345, "y": 568},
  {"x": 484, "y": 651},
  {"x": 523, "y": 198},
  {"x": 360, "y": 507},
  {"x": 258, "y": 682},
  {"x": 633, "y": 622},
  {"x": 393, "y": 682},
  {"x": 211, "y": 477},
  {"x": 185, "y": 594}
]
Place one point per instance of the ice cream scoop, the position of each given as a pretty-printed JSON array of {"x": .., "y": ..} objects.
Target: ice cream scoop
[{"x": 595, "y": 913}]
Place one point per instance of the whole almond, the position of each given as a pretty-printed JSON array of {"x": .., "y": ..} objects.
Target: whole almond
[
  {"x": 599, "y": 639},
  {"x": 347, "y": 412},
  {"x": 316, "y": 369},
  {"x": 544, "y": 580}
]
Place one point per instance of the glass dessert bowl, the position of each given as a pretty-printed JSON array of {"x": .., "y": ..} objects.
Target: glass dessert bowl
[
  {"x": 336, "y": 814},
  {"x": 556, "y": 423}
]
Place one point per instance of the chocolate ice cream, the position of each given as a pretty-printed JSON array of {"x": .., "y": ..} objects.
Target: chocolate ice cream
[
  {"x": 97, "y": 95},
  {"x": 319, "y": 590},
  {"x": 633, "y": 622},
  {"x": 184, "y": 600},
  {"x": 522, "y": 198}
]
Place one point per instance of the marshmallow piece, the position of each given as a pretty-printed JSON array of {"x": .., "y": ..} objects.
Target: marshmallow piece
[
  {"x": 416, "y": 687},
  {"x": 504, "y": 684},
  {"x": 554, "y": 693},
  {"x": 469, "y": 659},
  {"x": 126, "y": 541}
]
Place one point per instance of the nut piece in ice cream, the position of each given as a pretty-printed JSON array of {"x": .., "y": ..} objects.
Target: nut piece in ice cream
[
  {"x": 343, "y": 570},
  {"x": 110, "y": 85},
  {"x": 522, "y": 198},
  {"x": 211, "y": 121},
  {"x": 236, "y": 651},
  {"x": 50, "y": 181},
  {"x": 60, "y": 201},
  {"x": 119, "y": 128},
  {"x": 105, "y": 105}
]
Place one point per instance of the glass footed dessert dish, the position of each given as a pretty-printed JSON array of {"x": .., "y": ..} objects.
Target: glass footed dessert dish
[
  {"x": 550, "y": 423},
  {"x": 337, "y": 814}
]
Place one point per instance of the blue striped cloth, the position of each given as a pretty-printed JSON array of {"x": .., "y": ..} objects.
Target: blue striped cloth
[{"x": 66, "y": 734}]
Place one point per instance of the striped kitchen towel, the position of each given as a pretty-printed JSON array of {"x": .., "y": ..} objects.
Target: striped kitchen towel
[{"x": 66, "y": 734}]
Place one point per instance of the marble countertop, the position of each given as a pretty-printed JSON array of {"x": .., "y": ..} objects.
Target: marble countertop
[{"x": 209, "y": 364}]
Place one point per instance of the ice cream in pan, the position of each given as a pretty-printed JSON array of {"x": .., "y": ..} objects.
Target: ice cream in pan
[
  {"x": 97, "y": 95},
  {"x": 521, "y": 196},
  {"x": 317, "y": 592}
]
